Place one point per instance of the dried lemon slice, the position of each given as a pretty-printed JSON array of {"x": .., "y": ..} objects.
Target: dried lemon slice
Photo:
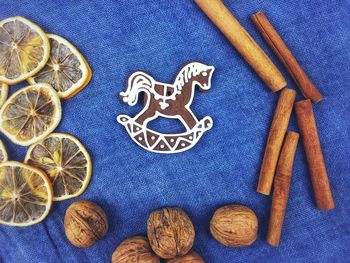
[
  {"x": 24, "y": 49},
  {"x": 3, "y": 152},
  {"x": 3, "y": 93},
  {"x": 30, "y": 114},
  {"x": 65, "y": 160},
  {"x": 25, "y": 194},
  {"x": 67, "y": 70}
]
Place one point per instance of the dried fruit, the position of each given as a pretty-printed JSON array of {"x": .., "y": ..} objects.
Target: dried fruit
[
  {"x": 134, "y": 250},
  {"x": 67, "y": 70},
  {"x": 24, "y": 49},
  {"x": 85, "y": 223},
  {"x": 25, "y": 194},
  {"x": 191, "y": 257},
  {"x": 65, "y": 161},
  {"x": 3, "y": 93},
  {"x": 234, "y": 226},
  {"x": 170, "y": 232},
  {"x": 30, "y": 114}
]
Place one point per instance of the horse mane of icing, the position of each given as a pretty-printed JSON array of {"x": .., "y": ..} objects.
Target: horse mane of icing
[{"x": 188, "y": 72}]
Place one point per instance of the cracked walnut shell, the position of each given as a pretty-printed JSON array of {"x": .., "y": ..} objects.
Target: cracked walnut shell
[
  {"x": 85, "y": 223},
  {"x": 170, "y": 232},
  {"x": 133, "y": 250},
  {"x": 234, "y": 226}
]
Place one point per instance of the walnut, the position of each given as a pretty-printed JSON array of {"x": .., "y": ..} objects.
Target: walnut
[
  {"x": 170, "y": 232},
  {"x": 134, "y": 250},
  {"x": 234, "y": 226},
  {"x": 85, "y": 223},
  {"x": 191, "y": 257}
]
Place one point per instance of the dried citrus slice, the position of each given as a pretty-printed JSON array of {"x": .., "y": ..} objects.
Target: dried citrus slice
[
  {"x": 30, "y": 114},
  {"x": 25, "y": 194},
  {"x": 65, "y": 160},
  {"x": 24, "y": 49},
  {"x": 3, "y": 152},
  {"x": 3, "y": 93},
  {"x": 67, "y": 70}
]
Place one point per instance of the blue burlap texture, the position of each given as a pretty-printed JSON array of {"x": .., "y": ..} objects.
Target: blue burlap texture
[{"x": 158, "y": 36}]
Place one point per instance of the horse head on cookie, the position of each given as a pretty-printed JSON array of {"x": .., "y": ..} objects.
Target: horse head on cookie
[{"x": 168, "y": 100}]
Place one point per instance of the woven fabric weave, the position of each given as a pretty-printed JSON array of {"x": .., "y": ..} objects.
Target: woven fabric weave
[{"x": 159, "y": 36}]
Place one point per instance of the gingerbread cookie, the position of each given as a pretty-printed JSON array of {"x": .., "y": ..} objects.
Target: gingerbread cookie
[{"x": 169, "y": 101}]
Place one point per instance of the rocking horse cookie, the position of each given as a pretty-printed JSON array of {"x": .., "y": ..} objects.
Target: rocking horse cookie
[{"x": 170, "y": 101}]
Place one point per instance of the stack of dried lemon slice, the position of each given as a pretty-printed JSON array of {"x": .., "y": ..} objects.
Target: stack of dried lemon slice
[{"x": 57, "y": 166}]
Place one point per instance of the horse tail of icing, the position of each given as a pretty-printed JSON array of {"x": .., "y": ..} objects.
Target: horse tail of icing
[{"x": 137, "y": 82}]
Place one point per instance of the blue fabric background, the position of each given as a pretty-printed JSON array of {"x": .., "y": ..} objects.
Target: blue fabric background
[{"x": 119, "y": 37}]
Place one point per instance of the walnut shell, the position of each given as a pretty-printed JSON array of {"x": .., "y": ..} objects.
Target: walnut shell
[
  {"x": 170, "y": 232},
  {"x": 234, "y": 226},
  {"x": 191, "y": 257},
  {"x": 134, "y": 250},
  {"x": 85, "y": 223}
]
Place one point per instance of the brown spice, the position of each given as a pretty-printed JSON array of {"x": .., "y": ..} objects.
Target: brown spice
[
  {"x": 85, "y": 223},
  {"x": 234, "y": 226},
  {"x": 170, "y": 232},
  {"x": 314, "y": 155},
  {"x": 276, "y": 43},
  {"x": 281, "y": 188},
  {"x": 191, "y": 257},
  {"x": 134, "y": 249},
  {"x": 243, "y": 42},
  {"x": 275, "y": 140}
]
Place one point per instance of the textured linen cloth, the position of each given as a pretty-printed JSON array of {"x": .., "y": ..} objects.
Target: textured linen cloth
[{"x": 158, "y": 36}]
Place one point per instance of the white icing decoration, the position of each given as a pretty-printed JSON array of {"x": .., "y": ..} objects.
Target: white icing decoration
[
  {"x": 141, "y": 82},
  {"x": 151, "y": 145}
]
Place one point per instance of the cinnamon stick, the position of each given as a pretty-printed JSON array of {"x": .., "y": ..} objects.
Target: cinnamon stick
[
  {"x": 243, "y": 42},
  {"x": 313, "y": 150},
  {"x": 281, "y": 188},
  {"x": 275, "y": 140},
  {"x": 276, "y": 43}
]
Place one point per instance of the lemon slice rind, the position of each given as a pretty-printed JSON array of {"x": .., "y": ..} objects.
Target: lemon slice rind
[
  {"x": 3, "y": 93},
  {"x": 3, "y": 152},
  {"x": 47, "y": 185},
  {"x": 81, "y": 148},
  {"x": 45, "y": 45},
  {"x": 50, "y": 129},
  {"x": 84, "y": 67}
]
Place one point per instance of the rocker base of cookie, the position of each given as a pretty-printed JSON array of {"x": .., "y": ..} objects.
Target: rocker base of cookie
[{"x": 164, "y": 143}]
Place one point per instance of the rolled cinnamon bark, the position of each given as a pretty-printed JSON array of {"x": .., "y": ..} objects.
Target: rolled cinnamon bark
[
  {"x": 281, "y": 188},
  {"x": 276, "y": 43},
  {"x": 275, "y": 140},
  {"x": 314, "y": 155},
  {"x": 243, "y": 42}
]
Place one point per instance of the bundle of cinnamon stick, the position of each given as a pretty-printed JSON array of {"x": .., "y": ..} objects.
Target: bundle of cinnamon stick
[
  {"x": 277, "y": 164},
  {"x": 278, "y": 161}
]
